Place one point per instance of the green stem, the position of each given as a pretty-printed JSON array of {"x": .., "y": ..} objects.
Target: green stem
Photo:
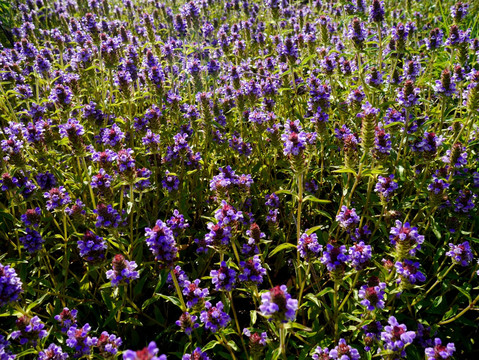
[
  {"x": 469, "y": 307},
  {"x": 178, "y": 290}
]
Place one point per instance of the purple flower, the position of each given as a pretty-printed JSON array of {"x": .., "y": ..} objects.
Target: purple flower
[
  {"x": 408, "y": 270},
  {"x": 405, "y": 238},
  {"x": 193, "y": 293},
  {"x": 347, "y": 217},
  {"x": 372, "y": 294},
  {"x": 30, "y": 330},
  {"x": 46, "y": 181},
  {"x": 445, "y": 86},
  {"x": 460, "y": 254},
  {"x": 408, "y": 95},
  {"x": 321, "y": 354},
  {"x": 108, "y": 344},
  {"x": 359, "y": 255},
  {"x": 278, "y": 304},
  {"x": 32, "y": 241},
  {"x": 123, "y": 271},
  {"x": 428, "y": 144},
  {"x": 396, "y": 337},
  {"x": 334, "y": 257},
  {"x": 308, "y": 246},
  {"x": 32, "y": 217},
  {"x": 56, "y": 197},
  {"x": 92, "y": 247},
  {"x": 148, "y": 353},
  {"x": 53, "y": 352},
  {"x": 386, "y": 186},
  {"x": 227, "y": 214},
  {"x": 344, "y": 352},
  {"x": 214, "y": 317},
  {"x": 162, "y": 244},
  {"x": 376, "y": 11},
  {"x": 187, "y": 323},
  {"x": 197, "y": 354},
  {"x": 272, "y": 200},
  {"x": 459, "y": 11},
  {"x": 177, "y": 222},
  {"x": 435, "y": 40},
  {"x": 107, "y": 216},
  {"x": 67, "y": 318},
  {"x": 170, "y": 182},
  {"x": 464, "y": 202},
  {"x": 357, "y": 33},
  {"x": 251, "y": 271},
  {"x": 80, "y": 341},
  {"x": 224, "y": 278},
  {"x": 457, "y": 156},
  {"x": 10, "y": 285},
  {"x": 439, "y": 351},
  {"x": 294, "y": 139},
  {"x": 437, "y": 186}
]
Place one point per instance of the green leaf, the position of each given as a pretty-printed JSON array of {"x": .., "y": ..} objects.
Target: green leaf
[
  {"x": 314, "y": 229},
  {"x": 315, "y": 199},
  {"x": 172, "y": 299},
  {"x": 344, "y": 170},
  {"x": 463, "y": 292},
  {"x": 325, "y": 291},
  {"x": 210, "y": 345},
  {"x": 281, "y": 248}
]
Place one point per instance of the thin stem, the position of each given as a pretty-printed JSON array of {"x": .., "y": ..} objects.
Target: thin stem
[{"x": 178, "y": 290}]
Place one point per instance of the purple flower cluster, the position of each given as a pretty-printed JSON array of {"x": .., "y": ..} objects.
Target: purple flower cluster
[
  {"x": 149, "y": 353},
  {"x": 10, "y": 285},
  {"x": 278, "y": 305},
  {"x": 123, "y": 271},
  {"x": 162, "y": 244},
  {"x": 460, "y": 254},
  {"x": 396, "y": 337},
  {"x": 405, "y": 238},
  {"x": 30, "y": 330},
  {"x": 214, "y": 317},
  {"x": 224, "y": 278},
  {"x": 347, "y": 218},
  {"x": 386, "y": 186},
  {"x": 308, "y": 246}
]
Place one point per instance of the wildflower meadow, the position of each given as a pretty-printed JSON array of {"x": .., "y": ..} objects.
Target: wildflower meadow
[{"x": 239, "y": 179}]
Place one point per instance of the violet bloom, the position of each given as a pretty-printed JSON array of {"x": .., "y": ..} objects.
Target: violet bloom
[
  {"x": 272, "y": 200},
  {"x": 361, "y": 234},
  {"x": 56, "y": 197},
  {"x": 445, "y": 86},
  {"x": 122, "y": 272},
  {"x": 405, "y": 238},
  {"x": 227, "y": 214},
  {"x": 408, "y": 95},
  {"x": 357, "y": 33},
  {"x": 80, "y": 341},
  {"x": 214, "y": 317},
  {"x": 170, "y": 182},
  {"x": 396, "y": 337},
  {"x": 177, "y": 222},
  {"x": 218, "y": 236},
  {"x": 30, "y": 330},
  {"x": 372, "y": 294},
  {"x": 376, "y": 11},
  {"x": 194, "y": 295},
  {"x": 464, "y": 202},
  {"x": 10, "y": 285},
  {"x": 386, "y": 186},
  {"x": 439, "y": 351},
  {"x": 457, "y": 156},
  {"x": 459, "y": 11},
  {"x": 408, "y": 270},
  {"x": 197, "y": 354},
  {"x": 321, "y": 353},
  {"x": 67, "y": 318},
  {"x": 308, "y": 246},
  {"x": 32, "y": 217},
  {"x": 278, "y": 305},
  {"x": 162, "y": 244},
  {"x": 53, "y": 352},
  {"x": 187, "y": 323},
  {"x": 107, "y": 216},
  {"x": 92, "y": 247},
  {"x": 437, "y": 186},
  {"x": 460, "y": 254},
  {"x": 149, "y": 353},
  {"x": 334, "y": 257},
  {"x": 224, "y": 278},
  {"x": 108, "y": 344},
  {"x": 46, "y": 180},
  {"x": 251, "y": 271},
  {"x": 344, "y": 352},
  {"x": 359, "y": 255},
  {"x": 347, "y": 217},
  {"x": 32, "y": 241},
  {"x": 294, "y": 139}
]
